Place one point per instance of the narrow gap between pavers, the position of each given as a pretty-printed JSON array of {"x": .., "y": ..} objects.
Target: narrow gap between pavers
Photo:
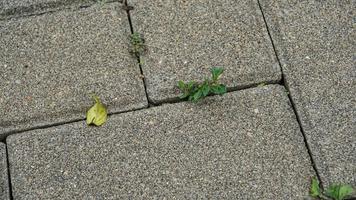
[
  {"x": 285, "y": 84},
  {"x": 127, "y": 8},
  {"x": 49, "y": 123},
  {"x": 33, "y": 14},
  {"x": 22, "y": 12},
  {"x": 168, "y": 101},
  {"x": 38, "y": 127},
  {"x": 245, "y": 104},
  {"x": 229, "y": 89},
  {"x": 8, "y": 172},
  {"x": 121, "y": 112},
  {"x": 62, "y": 123},
  {"x": 54, "y": 10}
]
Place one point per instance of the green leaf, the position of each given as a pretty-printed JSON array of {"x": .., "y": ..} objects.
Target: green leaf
[
  {"x": 338, "y": 191},
  {"x": 137, "y": 43},
  {"x": 345, "y": 191},
  {"x": 314, "y": 188},
  {"x": 205, "y": 89},
  {"x": 191, "y": 85},
  {"x": 184, "y": 95},
  {"x": 97, "y": 114},
  {"x": 195, "y": 91},
  {"x": 181, "y": 85},
  {"x": 197, "y": 95},
  {"x": 218, "y": 89},
  {"x": 216, "y": 72}
]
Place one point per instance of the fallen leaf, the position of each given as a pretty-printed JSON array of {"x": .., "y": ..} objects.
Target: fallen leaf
[{"x": 97, "y": 114}]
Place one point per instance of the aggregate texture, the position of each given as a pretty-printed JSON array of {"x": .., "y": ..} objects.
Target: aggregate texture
[
  {"x": 50, "y": 65},
  {"x": 185, "y": 39},
  {"x": 315, "y": 41},
  {"x": 243, "y": 145}
]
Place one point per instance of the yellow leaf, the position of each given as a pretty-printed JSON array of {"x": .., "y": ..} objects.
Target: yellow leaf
[{"x": 97, "y": 114}]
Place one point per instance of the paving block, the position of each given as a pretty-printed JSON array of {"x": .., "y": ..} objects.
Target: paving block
[
  {"x": 51, "y": 64},
  {"x": 4, "y": 183},
  {"x": 243, "y": 145},
  {"x": 185, "y": 39},
  {"x": 315, "y": 41},
  {"x": 11, "y": 8}
]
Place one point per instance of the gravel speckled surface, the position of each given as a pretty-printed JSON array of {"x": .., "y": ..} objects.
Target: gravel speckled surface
[
  {"x": 185, "y": 39},
  {"x": 243, "y": 145},
  {"x": 4, "y": 183},
  {"x": 52, "y": 63},
  {"x": 315, "y": 41},
  {"x": 11, "y": 8}
]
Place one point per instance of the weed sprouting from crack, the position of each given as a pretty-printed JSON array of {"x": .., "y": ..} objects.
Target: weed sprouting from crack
[
  {"x": 333, "y": 192},
  {"x": 138, "y": 46},
  {"x": 194, "y": 91}
]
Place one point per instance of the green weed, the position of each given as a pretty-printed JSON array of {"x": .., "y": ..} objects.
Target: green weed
[
  {"x": 138, "y": 46},
  {"x": 333, "y": 192},
  {"x": 194, "y": 91}
]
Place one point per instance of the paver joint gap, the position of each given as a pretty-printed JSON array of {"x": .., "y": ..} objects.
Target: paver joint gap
[
  {"x": 8, "y": 173},
  {"x": 232, "y": 89},
  {"x": 172, "y": 101},
  {"x": 67, "y": 111},
  {"x": 50, "y": 8},
  {"x": 125, "y": 131},
  {"x": 284, "y": 83},
  {"x": 127, "y": 8},
  {"x": 60, "y": 124}
]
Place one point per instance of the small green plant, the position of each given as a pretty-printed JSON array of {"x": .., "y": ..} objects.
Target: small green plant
[
  {"x": 333, "y": 192},
  {"x": 195, "y": 91},
  {"x": 138, "y": 46}
]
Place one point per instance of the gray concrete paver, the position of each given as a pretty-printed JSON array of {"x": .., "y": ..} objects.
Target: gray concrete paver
[
  {"x": 185, "y": 39},
  {"x": 50, "y": 65},
  {"x": 315, "y": 41},
  {"x": 243, "y": 145}
]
